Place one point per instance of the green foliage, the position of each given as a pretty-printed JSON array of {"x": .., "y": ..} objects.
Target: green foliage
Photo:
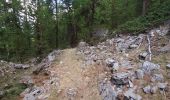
[
  {"x": 12, "y": 91},
  {"x": 157, "y": 13}
]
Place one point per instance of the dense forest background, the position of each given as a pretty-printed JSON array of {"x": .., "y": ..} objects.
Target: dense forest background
[{"x": 30, "y": 28}]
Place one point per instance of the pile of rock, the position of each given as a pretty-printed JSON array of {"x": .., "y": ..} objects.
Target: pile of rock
[
  {"x": 34, "y": 92},
  {"x": 46, "y": 62},
  {"x": 104, "y": 50},
  {"x": 129, "y": 42},
  {"x": 125, "y": 73}
]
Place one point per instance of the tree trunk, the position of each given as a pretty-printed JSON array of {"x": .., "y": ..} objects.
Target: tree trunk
[
  {"x": 56, "y": 1},
  {"x": 145, "y": 7}
]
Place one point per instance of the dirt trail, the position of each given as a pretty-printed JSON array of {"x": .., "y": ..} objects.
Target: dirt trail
[{"x": 72, "y": 76}]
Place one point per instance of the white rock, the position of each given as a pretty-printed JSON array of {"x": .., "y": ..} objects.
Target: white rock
[
  {"x": 162, "y": 86},
  {"x": 147, "y": 89},
  {"x": 168, "y": 66}
]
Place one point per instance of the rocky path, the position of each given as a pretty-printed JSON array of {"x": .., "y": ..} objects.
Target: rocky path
[{"x": 76, "y": 83}]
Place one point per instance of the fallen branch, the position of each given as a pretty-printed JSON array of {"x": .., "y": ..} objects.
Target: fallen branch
[{"x": 149, "y": 47}]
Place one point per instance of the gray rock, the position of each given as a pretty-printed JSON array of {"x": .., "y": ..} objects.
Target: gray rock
[
  {"x": 52, "y": 56},
  {"x": 29, "y": 97},
  {"x": 120, "y": 78},
  {"x": 147, "y": 89},
  {"x": 165, "y": 48},
  {"x": 27, "y": 80},
  {"x": 162, "y": 86},
  {"x": 106, "y": 91},
  {"x": 139, "y": 74},
  {"x": 157, "y": 77},
  {"x": 32, "y": 93},
  {"x": 26, "y": 66},
  {"x": 20, "y": 66},
  {"x": 133, "y": 46},
  {"x": 130, "y": 84},
  {"x": 126, "y": 64},
  {"x": 131, "y": 95},
  {"x": 154, "y": 89},
  {"x": 142, "y": 56},
  {"x": 115, "y": 66},
  {"x": 168, "y": 66},
  {"x": 110, "y": 62},
  {"x": 148, "y": 67},
  {"x": 71, "y": 93},
  {"x": 2, "y": 93},
  {"x": 163, "y": 30}
]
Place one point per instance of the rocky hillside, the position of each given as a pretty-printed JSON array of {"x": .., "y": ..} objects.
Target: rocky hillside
[{"x": 122, "y": 68}]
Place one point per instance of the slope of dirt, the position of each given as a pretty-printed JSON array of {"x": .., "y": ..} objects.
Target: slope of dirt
[{"x": 76, "y": 82}]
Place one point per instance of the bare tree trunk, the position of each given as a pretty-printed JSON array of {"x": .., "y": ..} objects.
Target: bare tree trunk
[
  {"x": 145, "y": 7},
  {"x": 149, "y": 47},
  {"x": 56, "y": 1}
]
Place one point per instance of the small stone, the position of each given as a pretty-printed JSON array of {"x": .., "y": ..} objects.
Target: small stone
[
  {"x": 72, "y": 92},
  {"x": 110, "y": 62},
  {"x": 2, "y": 93},
  {"x": 154, "y": 89},
  {"x": 26, "y": 80},
  {"x": 130, "y": 84},
  {"x": 133, "y": 46},
  {"x": 25, "y": 66},
  {"x": 131, "y": 95},
  {"x": 120, "y": 78},
  {"x": 165, "y": 49},
  {"x": 162, "y": 86},
  {"x": 29, "y": 97},
  {"x": 157, "y": 77},
  {"x": 139, "y": 74},
  {"x": 147, "y": 89},
  {"x": 18, "y": 66},
  {"x": 168, "y": 66},
  {"x": 142, "y": 56},
  {"x": 115, "y": 66}
]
